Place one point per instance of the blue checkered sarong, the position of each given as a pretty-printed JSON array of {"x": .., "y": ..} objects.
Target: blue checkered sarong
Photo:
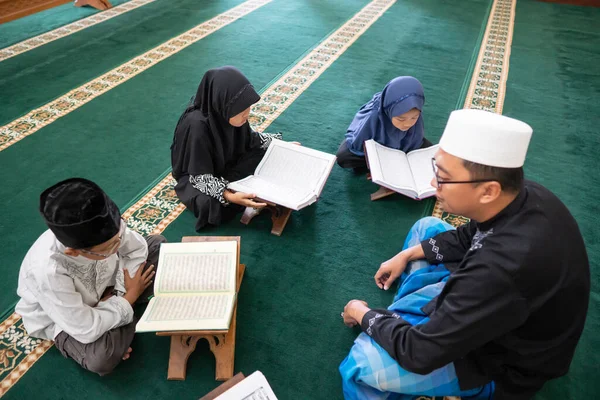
[{"x": 369, "y": 372}]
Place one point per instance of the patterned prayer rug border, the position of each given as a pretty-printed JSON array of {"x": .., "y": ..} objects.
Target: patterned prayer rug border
[
  {"x": 18, "y": 351},
  {"x": 488, "y": 82},
  {"x": 69, "y": 29},
  {"x": 160, "y": 206},
  {"x": 40, "y": 117}
]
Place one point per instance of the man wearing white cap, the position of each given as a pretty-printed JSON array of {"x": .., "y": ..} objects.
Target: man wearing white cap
[{"x": 491, "y": 310}]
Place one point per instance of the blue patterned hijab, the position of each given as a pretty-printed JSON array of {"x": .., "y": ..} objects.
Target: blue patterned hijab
[{"x": 374, "y": 119}]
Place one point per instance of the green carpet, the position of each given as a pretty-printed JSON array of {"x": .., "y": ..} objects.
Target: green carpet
[
  {"x": 121, "y": 139},
  {"x": 554, "y": 85},
  {"x": 43, "y": 74},
  {"x": 296, "y": 285},
  {"x": 24, "y": 28}
]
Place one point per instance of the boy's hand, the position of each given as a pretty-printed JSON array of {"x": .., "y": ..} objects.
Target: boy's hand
[{"x": 135, "y": 286}]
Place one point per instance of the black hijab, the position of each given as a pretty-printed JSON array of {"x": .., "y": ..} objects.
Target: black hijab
[{"x": 204, "y": 141}]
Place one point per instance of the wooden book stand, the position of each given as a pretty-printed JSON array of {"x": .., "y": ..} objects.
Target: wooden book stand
[
  {"x": 221, "y": 342},
  {"x": 381, "y": 192},
  {"x": 279, "y": 216}
]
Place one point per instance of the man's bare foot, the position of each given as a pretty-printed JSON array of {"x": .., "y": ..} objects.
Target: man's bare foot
[{"x": 127, "y": 354}]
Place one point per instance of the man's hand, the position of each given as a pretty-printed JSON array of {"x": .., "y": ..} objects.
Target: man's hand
[
  {"x": 243, "y": 199},
  {"x": 354, "y": 312},
  {"x": 135, "y": 286},
  {"x": 390, "y": 270}
]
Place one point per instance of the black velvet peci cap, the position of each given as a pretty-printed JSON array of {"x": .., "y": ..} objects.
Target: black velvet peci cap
[{"x": 79, "y": 213}]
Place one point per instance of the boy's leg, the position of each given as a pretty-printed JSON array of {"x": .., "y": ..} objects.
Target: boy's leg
[
  {"x": 154, "y": 242},
  {"x": 101, "y": 356}
]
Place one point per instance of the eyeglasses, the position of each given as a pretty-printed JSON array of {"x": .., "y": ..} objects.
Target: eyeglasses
[
  {"x": 113, "y": 248},
  {"x": 439, "y": 182}
]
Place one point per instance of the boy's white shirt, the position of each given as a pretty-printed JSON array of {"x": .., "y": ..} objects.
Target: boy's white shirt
[{"x": 62, "y": 293}]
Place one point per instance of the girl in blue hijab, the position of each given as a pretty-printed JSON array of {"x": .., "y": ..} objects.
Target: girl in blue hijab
[{"x": 392, "y": 118}]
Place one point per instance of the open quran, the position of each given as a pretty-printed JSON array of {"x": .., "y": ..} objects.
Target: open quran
[
  {"x": 409, "y": 174},
  {"x": 289, "y": 175},
  {"x": 194, "y": 288}
]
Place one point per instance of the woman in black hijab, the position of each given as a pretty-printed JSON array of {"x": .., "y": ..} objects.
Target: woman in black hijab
[{"x": 214, "y": 145}]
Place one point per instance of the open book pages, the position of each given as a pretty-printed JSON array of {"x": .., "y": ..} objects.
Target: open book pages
[
  {"x": 409, "y": 174},
  {"x": 422, "y": 170},
  {"x": 254, "y": 387},
  {"x": 287, "y": 196},
  {"x": 196, "y": 267},
  {"x": 289, "y": 175},
  {"x": 194, "y": 288},
  {"x": 187, "y": 313}
]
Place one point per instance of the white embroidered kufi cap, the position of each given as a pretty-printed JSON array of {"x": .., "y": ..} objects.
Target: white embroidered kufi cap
[{"x": 486, "y": 138}]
